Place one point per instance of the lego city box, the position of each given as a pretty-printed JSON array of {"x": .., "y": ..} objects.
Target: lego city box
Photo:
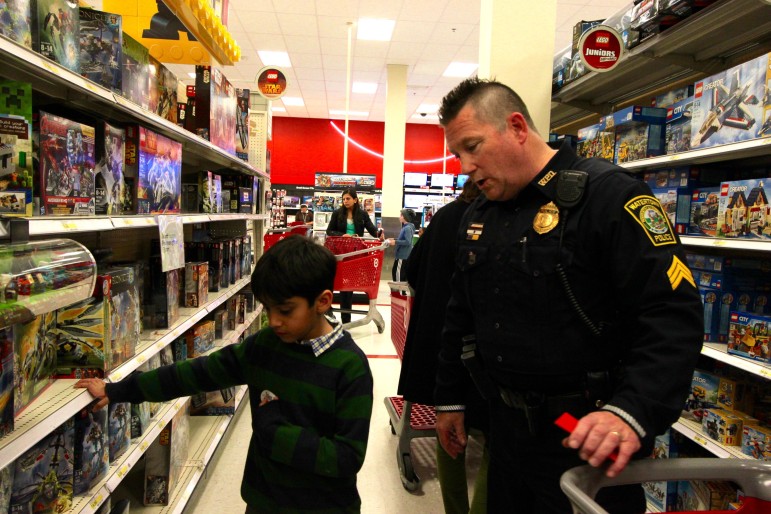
[
  {"x": 56, "y": 31},
  {"x": 679, "y": 176},
  {"x": 756, "y": 442},
  {"x": 196, "y": 284},
  {"x": 743, "y": 210},
  {"x": 678, "y": 127},
  {"x": 732, "y": 105},
  {"x": 66, "y": 151},
  {"x": 214, "y": 403},
  {"x": 165, "y": 459},
  {"x": 101, "y": 48},
  {"x": 34, "y": 363},
  {"x": 704, "y": 211},
  {"x": 676, "y": 205},
  {"x": 16, "y": 157},
  {"x": 92, "y": 455},
  {"x": 215, "y": 108},
  {"x": 639, "y": 132},
  {"x": 109, "y": 185},
  {"x": 16, "y": 21},
  {"x": 200, "y": 338},
  {"x": 596, "y": 140},
  {"x": 748, "y": 336},
  {"x": 118, "y": 429}
]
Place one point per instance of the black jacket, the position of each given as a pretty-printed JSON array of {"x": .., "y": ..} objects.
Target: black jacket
[{"x": 339, "y": 220}]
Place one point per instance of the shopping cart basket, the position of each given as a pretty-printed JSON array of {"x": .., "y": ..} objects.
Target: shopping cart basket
[
  {"x": 408, "y": 420},
  {"x": 359, "y": 264},
  {"x": 581, "y": 484},
  {"x": 275, "y": 235}
]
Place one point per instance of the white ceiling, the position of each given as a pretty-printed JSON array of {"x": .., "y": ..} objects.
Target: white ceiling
[{"x": 428, "y": 35}]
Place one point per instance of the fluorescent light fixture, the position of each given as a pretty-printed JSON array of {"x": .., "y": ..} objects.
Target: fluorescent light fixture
[
  {"x": 292, "y": 101},
  {"x": 368, "y": 88},
  {"x": 339, "y": 112},
  {"x": 277, "y": 109},
  {"x": 428, "y": 108},
  {"x": 374, "y": 29},
  {"x": 460, "y": 69},
  {"x": 270, "y": 58},
  {"x": 191, "y": 75}
]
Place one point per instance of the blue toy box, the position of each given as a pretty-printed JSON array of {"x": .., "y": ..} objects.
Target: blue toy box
[
  {"x": 678, "y": 127},
  {"x": 639, "y": 133}
]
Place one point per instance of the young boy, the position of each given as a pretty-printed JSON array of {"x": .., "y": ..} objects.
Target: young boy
[{"x": 310, "y": 388}]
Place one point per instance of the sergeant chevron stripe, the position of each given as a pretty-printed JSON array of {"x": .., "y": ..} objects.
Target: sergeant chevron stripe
[{"x": 678, "y": 272}]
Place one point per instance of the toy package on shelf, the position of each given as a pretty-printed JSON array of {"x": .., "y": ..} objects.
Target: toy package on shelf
[
  {"x": 748, "y": 336},
  {"x": 597, "y": 140},
  {"x": 43, "y": 475},
  {"x": 140, "y": 418},
  {"x": 649, "y": 19},
  {"x": 662, "y": 495},
  {"x": 6, "y": 381},
  {"x": 704, "y": 496},
  {"x": 118, "y": 429},
  {"x": 135, "y": 60},
  {"x": 6, "y": 487},
  {"x": 214, "y": 403},
  {"x": 732, "y": 105},
  {"x": 220, "y": 317},
  {"x": 217, "y": 193},
  {"x": 242, "y": 123},
  {"x": 34, "y": 358},
  {"x": 676, "y": 205},
  {"x": 678, "y": 128},
  {"x": 639, "y": 133},
  {"x": 213, "y": 252},
  {"x": 744, "y": 210},
  {"x": 703, "y": 395},
  {"x": 162, "y": 302},
  {"x": 684, "y": 8},
  {"x": 196, "y": 284},
  {"x": 215, "y": 108},
  {"x": 722, "y": 426},
  {"x": 756, "y": 442},
  {"x": 704, "y": 211},
  {"x": 101, "y": 46},
  {"x": 66, "y": 169},
  {"x": 179, "y": 347},
  {"x": 56, "y": 30},
  {"x": 16, "y": 22},
  {"x": 16, "y": 174},
  {"x": 234, "y": 312},
  {"x": 672, "y": 97},
  {"x": 159, "y": 173},
  {"x": 109, "y": 185},
  {"x": 200, "y": 338},
  {"x": 206, "y": 191},
  {"x": 92, "y": 455},
  {"x": 167, "y": 93},
  {"x": 165, "y": 458}
]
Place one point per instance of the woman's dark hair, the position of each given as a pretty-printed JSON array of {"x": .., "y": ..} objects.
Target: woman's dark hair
[
  {"x": 295, "y": 266},
  {"x": 357, "y": 205}
]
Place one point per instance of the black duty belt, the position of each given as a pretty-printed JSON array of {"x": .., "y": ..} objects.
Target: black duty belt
[{"x": 532, "y": 404}]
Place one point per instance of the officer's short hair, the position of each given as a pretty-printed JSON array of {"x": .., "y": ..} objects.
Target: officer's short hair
[
  {"x": 492, "y": 101},
  {"x": 295, "y": 266}
]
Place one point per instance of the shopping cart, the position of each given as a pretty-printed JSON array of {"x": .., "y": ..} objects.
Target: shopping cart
[
  {"x": 422, "y": 420},
  {"x": 275, "y": 235},
  {"x": 359, "y": 264},
  {"x": 581, "y": 484}
]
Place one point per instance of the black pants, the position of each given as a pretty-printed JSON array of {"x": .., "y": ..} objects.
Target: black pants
[
  {"x": 524, "y": 470},
  {"x": 399, "y": 271},
  {"x": 346, "y": 303}
]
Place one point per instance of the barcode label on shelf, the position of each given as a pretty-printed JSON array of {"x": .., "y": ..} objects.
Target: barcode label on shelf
[
  {"x": 765, "y": 372},
  {"x": 122, "y": 471},
  {"x": 69, "y": 225},
  {"x": 97, "y": 501},
  {"x": 699, "y": 439}
]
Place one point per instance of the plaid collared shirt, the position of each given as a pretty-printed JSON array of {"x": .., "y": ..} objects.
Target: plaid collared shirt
[{"x": 323, "y": 343}]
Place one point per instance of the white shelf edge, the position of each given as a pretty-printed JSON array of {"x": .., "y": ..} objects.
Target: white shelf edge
[
  {"x": 90, "y": 502},
  {"x": 711, "y": 154},
  {"x": 692, "y": 430},
  {"x": 727, "y": 243},
  {"x": 718, "y": 352},
  {"x": 44, "y": 225}
]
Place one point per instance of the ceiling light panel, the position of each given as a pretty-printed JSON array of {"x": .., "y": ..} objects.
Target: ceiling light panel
[
  {"x": 292, "y": 101},
  {"x": 367, "y": 88},
  {"x": 273, "y": 58},
  {"x": 374, "y": 29},
  {"x": 460, "y": 69}
]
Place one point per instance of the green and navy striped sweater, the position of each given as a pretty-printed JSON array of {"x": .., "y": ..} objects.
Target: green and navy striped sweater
[{"x": 308, "y": 445}]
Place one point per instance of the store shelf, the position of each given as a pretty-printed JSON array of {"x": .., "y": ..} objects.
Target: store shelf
[
  {"x": 692, "y": 430},
  {"x": 728, "y": 32},
  {"x": 730, "y": 152},
  {"x": 80, "y": 93},
  {"x": 753, "y": 245},
  {"x": 718, "y": 352}
]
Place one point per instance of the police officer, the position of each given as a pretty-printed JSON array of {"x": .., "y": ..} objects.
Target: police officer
[{"x": 576, "y": 289}]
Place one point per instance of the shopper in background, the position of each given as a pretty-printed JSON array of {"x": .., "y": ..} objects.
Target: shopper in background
[
  {"x": 380, "y": 231},
  {"x": 428, "y": 271},
  {"x": 403, "y": 243},
  {"x": 349, "y": 220},
  {"x": 304, "y": 216},
  {"x": 310, "y": 385},
  {"x": 580, "y": 301}
]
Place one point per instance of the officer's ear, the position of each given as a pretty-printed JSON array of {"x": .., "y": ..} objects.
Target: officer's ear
[{"x": 518, "y": 124}]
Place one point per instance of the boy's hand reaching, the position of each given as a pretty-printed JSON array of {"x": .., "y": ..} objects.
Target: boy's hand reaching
[{"x": 96, "y": 387}]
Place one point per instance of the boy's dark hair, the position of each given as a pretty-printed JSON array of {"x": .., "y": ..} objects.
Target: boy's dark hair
[
  {"x": 493, "y": 101},
  {"x": 295, "y": 266}
]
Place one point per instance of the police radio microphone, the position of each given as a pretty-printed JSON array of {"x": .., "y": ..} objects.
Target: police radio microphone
[{"x": 570, "y": 188}]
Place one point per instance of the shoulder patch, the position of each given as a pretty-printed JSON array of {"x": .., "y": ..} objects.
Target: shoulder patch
[{"x": 646, "y": 210}]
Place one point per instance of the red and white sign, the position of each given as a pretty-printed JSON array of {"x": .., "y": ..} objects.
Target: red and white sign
[
  {"x": 600, "y": 48},
  {"x": 271, "y": 83}
]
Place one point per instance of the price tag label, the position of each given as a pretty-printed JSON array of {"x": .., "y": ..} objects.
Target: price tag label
[
  {"x": 765, "y": 372},
  {"x": 97, "y": 501},
  {"x": 122, "y": 471},
  {"x": 69, "y": 225},
  {"x": 115, "y": 377},
  {"x": 144, "y": 445},
  {"x": 50, "y": 67},
  {"x": 718, "y": 242},
  {"x": 91, "y": 87},
  {"x": 699, "y": 439},
  {"x": 141, "y": 359}
]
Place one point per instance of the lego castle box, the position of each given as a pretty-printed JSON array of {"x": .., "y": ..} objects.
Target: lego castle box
[
  {"x": 66, "y": 166},
  {"x": 16, "y": 21},
  {"x": 56, "y": 31},
  {"x": 101, "y": 46},
  {"x": 16, "y": 176},
  {"x": 215, "y": 108},
  {"x": 159, "y": 174},
  {"x": 732, "y": 105}
]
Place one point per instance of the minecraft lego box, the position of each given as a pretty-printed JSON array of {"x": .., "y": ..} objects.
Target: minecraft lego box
[
  {"x": 748, "y": 336},
  {"x": 101, "y": 46},
  {"x": 66, "y": 167},
  {"x": 196, "y": 284},
  {"x": 704, "y": 211},
  {"x": 215, "y": 108},
  {"x": 732, "y": 105},
  {"x": 16, "y": 175},
  {"x": 56, "y": 31},
  {"x": 109, "y": 184},
  {"x": 16, "y": 21},
  {"x": 159, "y": 174},
  {"x": 92, "y": 455},
  {"x": 165, "y": 459},
  {"x": 743, "y": 210},
  {"x": 678, "y": 127},
  {"x": 34, "y": 358},
  {"x": 639, "y": 133},
  {"x": 118, "y": 429}
]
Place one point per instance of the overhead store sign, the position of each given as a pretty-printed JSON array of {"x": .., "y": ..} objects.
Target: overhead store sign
[
  {"x": 271, "y": 83},
  {"x": 341, "y": 181},
  {"x": 600, "y": 48}
]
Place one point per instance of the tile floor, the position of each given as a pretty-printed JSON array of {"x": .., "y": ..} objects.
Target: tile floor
[{"x": 380, "y": 486}]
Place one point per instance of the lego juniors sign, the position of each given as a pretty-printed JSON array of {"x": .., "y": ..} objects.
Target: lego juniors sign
[
  {"x": 271, "y": 83},
  {"x": 600, "y": 48}
]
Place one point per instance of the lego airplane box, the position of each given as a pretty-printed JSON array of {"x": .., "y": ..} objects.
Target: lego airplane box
[{"x": 732, "y": 105}]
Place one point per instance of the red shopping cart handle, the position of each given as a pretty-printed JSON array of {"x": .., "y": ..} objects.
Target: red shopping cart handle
[{"x": 568, "y": 422}]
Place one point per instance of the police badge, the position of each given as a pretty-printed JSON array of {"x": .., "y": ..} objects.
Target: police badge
[{"x": 547, "y": 218}]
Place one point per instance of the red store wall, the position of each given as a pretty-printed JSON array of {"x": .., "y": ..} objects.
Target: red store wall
[{"x": 301, "y": 147}]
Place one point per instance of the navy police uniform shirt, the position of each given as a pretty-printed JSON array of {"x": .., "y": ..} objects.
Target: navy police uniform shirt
[{"x": 626, "y": 269}]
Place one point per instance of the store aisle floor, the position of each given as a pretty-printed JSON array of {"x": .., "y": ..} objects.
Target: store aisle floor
[{"x": 379, "y": 484}]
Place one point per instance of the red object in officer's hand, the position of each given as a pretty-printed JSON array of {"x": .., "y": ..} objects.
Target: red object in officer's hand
[{"x": 568, "y": 422}]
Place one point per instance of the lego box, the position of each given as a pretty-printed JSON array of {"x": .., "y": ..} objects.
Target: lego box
[
  {"x": 6, "y": 381},
  {"x": 242, "y": 123},
  {"x": 56, "y": 31},
  {"x": 16, "y": 21},
  {"x": 743, "y": 209},
  {"x": 676, "y": 204},
  {"x": 215, "y": 108},
  {"x": 200, "y": 339},
  {"x": 639, "y": 133},
  {"x": 705, "y": 204},
  {"x": 703, "y": 395},
  {"x": 748, "y": 336},
  {"x": 214, "y": 403},
  {"x": 109, "y": 188},
  {"x": 92, "y": 456},
  {"x": 101, "y": 46},
  {"x": 16, "y": 158},
  {"x": 732, "y": 105},
  {"x": 162, "y": 307},
  {"x": 165, "y": 459},
  {"x": 167, "y": 93},
  {"x": 722, "y": 426},
  {"x": 196, "y": 284},
  {"x": 159, "y": 174},
  {"x": 596, "y": 140},
  {"x": 135, "y": 61},
  {"x": 119, "y": 429},
  {"x": 662, "y": 495},
  {"x": 34, "y": 358},
  {"x": 678, "y": 127},
  {"x": 756, "y": 442}
]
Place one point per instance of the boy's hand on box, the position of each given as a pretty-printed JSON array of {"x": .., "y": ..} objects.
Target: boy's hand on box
[{"x": 96, "y": 387}]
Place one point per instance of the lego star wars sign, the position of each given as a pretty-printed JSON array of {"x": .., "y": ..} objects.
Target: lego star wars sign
[
  {"x": 271, "y": 83},
  {"x": 600, "y": 48}
]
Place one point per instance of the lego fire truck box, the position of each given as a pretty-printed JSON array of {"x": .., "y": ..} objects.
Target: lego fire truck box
[
  {"x": 704, "y": 211},
  {"x": 639, "y": 133},
  {"x": 215, "y": 108},
  {"x": 729, "y": 106},
  {"x": 214, "y": 403},
  {"x": 43, "y": 475},
  {"x": 200, "y": 339},
  {"x": 101, "y": 46},
  {"x": 34, "y": 349},
  {"x": 748, "y": 336},
  {"x": 242, "y": 123},
  {"x": 722, "y": 426},
  {"x": 109, "y": 184},
  {"x": 16, "y": 175},
  {"x": 92, "y": 455},
  {"x": 703, "y": 394},
  {"x": 676, "y": 204},
  {"x": 6, "y": 381},
  {"x": 16, "y": 21},
  {"x": 165, "y": 459},
  {"x": 662, "y": 495},
  {"x": 196, "y": 284},
  {"x": 66, "y": 167},
  {"x": 756, "y": 442},
  {"x": 744, "y": 210},
  {"x": 135, "y": 61},
  {"x": 678, "y": 127},
  {"x": 118, "y": 429},
  {"x": 56, "y": 30},
  {"x": 159, "y": 174}
]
